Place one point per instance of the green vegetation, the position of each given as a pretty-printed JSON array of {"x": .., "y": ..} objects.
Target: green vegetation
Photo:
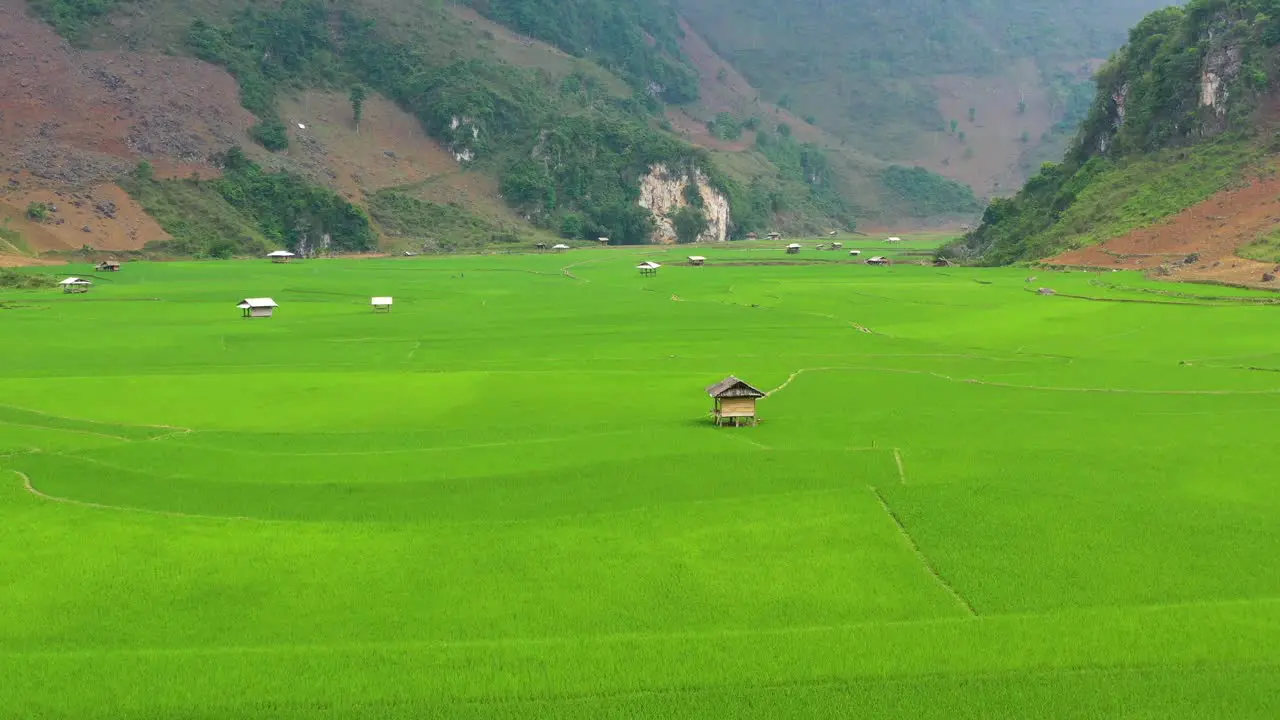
[
  {"x": 435, "y": 227},
  {"x": 14, "y": 280},
  {"x": 1265, "y": 248},
  {"x": 807, "y": 184},
  {"x": 725, "y": 126},
  {"x": 1103, "y": 199},
  {"x": 637, "y": 39},
  {"x": 928, "y": 194},
  {"x": 504, "y": 499},
  {"x": 1148, "y": 148},
  {"x": 357, "y": 96},
  {"x": 690, "y": 222},
  {"x": 37, "y": 211},
  {"x": 247, "y": 211},
  {"x": 11, "y": 240},
  {"x": 72, "y": 18}
]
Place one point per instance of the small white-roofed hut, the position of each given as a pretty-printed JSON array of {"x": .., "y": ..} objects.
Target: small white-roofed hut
[
  {"x": 735, "y": 401},
  {"x": 793, "y": 249},
  {"x": 281, "y": 256},
  {"x": 108, "y": 266},
  {"x": 697, "y": 260},
  {"x": 75, "y": 285},
  {"x": 381, "y": 304},
  {"x": 878, "y": 260},
  {"x": 257, "y": 307},
  {"x": 855, "y": 253},
  {"x": 559, "y": 247},
  {"x": 648, "y": 267},
  {"x": 603, "y": 240}
]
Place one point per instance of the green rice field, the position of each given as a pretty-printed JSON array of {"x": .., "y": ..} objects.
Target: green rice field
[{"x": 505, "y": 499}]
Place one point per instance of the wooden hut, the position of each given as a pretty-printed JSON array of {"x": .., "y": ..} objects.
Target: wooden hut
[
  {"x": 697, "y": 260},
  {"x": 603, "y": 241},
  {"x": 281, "y": 256},
  {"x": 774, "y": 236},
  {"x": 855, "y": 253},
  {"x": 559, "y": 247},
  {"x": 878, "y": 260},
  {"x": 648, "y": 268},
  {"x": 735, "y": 401},
  {"x": 257, "y": 307},
  {"x": 540, "y": 246},
  {"x": 108, "y": 266},
  {"x": 837, "y": 246},
  {"x": 381, "y": 304},
  {"x": 75, "y": 285},
  {"x": 793, "y": 249}
]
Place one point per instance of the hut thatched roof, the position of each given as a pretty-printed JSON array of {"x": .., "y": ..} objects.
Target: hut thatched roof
[{"x": 733, "y": 387}]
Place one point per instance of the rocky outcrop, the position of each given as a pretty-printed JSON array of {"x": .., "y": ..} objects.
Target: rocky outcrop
[
  {"x": 663, "y": 192},
  {"x": 1221, "y": 68}
]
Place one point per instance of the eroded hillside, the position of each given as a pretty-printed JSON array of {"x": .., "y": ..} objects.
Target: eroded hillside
[{"x": 1174, "y": 164}]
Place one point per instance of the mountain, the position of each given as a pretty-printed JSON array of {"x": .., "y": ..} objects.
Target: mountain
[
  {"x": 979, "y": 90},
  {"x": 1173, "y": 167},
  {"x": 217, "y": 127}
]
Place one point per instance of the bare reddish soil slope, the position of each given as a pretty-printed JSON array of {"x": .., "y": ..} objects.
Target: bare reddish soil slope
[
  {"x": 1212, "y": 230},
  {"x": 72, "y": 121}
]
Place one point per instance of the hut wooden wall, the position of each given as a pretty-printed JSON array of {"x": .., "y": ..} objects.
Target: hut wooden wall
[{"x": 738, "y": 407}]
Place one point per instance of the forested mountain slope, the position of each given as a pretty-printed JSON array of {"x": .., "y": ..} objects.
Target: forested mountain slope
[
  {"x": 1185, "y": 110},
  {"x": 978, "y": 91},
  {"x": 573, "y": 118}
]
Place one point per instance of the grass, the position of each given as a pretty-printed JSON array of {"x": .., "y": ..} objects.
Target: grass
[
  {"x": 504, "y": 499},
  {"x": 1266, "y": 248},
  {"x": 11, "y": 240},
  {"x": 1140, "y": 191}
]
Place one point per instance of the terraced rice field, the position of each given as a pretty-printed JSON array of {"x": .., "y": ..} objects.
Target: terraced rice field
[{"x": 504, "y": 498}]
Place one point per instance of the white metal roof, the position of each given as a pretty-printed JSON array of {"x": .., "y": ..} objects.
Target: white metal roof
[
  {"x": 559, "y": 246},
  {"x": 695, "y": 258},
  {"x": 281, "y": 253},
  {"x": 877, "y": 258},
  {"x": 794, "y": 245},
  {"x": 894, "y": 239},
  {"x": 647, "y": 264},
  {"x": 380, "y": 301},
  {"x": 75, "y": 281},
  {"x": 855, "y": 252},
  {"x": 257, "y": 303}
]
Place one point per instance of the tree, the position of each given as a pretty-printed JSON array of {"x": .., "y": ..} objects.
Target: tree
[
  {"x": 573, "y": 226},
  {"x": 1022, "y": 107},
  {"x": 358, "y": 95},
  {"x": 690, "y": 224},
  {"x": 37, "y": 211},
  {"x": 144, "y": 172},
  {"x": 973, "y": 114},
  {"x": 954, "y": 124}
]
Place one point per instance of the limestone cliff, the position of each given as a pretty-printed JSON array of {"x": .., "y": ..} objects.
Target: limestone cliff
[{"x": 663, "y": 192}]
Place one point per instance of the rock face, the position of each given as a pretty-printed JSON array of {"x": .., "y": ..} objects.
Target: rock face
[
  {"x": 1221, "y": 68},
  {"x": 662, "y": 193}
]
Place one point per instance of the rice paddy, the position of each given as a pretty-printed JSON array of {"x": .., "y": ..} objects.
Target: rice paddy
[{"x": 505, "y": 499}]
